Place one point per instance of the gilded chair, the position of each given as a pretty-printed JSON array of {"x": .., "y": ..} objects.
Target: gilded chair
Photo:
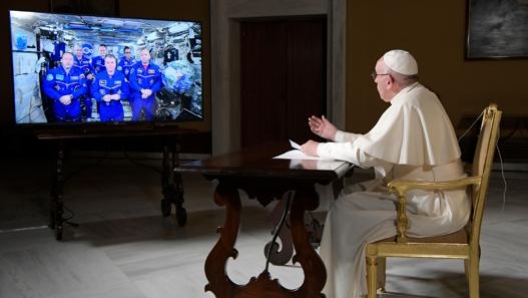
[{"x": 463, "y": 244}]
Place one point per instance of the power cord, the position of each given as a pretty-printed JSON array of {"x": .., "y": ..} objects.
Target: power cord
[
  {"x": 471, "y": 126},
  {"x": 279, "y": 228},
  {"x": 69, "y": 219},
  {"x": 503, "y": 176}
]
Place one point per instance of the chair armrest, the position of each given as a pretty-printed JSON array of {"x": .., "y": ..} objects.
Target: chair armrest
[{"x": 401, "y": 187}]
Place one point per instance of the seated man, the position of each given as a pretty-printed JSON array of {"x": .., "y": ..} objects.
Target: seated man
[{"x": 413, "y": 139}]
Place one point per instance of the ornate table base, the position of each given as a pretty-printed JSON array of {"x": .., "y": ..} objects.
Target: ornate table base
[{"x": 222, "y": 286}]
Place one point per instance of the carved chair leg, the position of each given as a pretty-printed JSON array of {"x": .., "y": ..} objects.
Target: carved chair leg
[
  {"x": 382, "y": 270},
  {"x": 372, "y": 276},
  {"x": 466, "y": 269},
  {"x": 473, "y": 277}
]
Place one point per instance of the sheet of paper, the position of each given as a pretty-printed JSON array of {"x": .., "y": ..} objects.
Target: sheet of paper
[
  {"x": 297, "y": 159},
  {"x": 295, "y": 145},
  {"x": 296, "y": 154}
]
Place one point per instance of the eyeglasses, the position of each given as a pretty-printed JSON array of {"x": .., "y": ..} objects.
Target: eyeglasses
[{"x": 374, "y": 74}]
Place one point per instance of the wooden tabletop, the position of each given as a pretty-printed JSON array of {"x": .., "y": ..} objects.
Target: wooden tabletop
[{"x": 258, "y": 162}]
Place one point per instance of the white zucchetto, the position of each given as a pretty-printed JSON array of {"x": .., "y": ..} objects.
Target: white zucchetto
[{"x": 401, "y": 61}]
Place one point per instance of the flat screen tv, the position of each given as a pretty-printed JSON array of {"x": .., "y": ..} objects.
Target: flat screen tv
[{"x": 82, "y": 69}]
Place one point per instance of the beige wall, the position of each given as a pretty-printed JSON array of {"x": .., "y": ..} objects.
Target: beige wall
[{"x": 434, "y": 31}]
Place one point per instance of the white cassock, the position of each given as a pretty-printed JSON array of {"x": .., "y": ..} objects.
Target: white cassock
[{"x": 413, "y": 139}]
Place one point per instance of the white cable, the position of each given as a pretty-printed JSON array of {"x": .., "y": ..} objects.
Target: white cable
[
  {"x": 502, "y": 174},
  {"x": 471, "y": 126}
]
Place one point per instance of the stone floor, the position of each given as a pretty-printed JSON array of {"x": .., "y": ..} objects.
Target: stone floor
[{"x": 123, "y": 247}]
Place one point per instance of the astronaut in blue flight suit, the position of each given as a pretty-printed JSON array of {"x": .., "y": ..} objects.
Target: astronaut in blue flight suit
[
  {"x": 126, "y": 63},
  {"x": 64, "y": 85},
  {"x": 109, "y": 89},
  {"x": 98, "y": 63},
  {"x": 59, "y": 48},
  {"x": 83, "y": 64},
  {"x": 145, "y": 81}
]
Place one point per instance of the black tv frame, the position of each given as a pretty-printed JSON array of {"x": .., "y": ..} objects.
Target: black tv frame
[{"x": 95, "y": 128}]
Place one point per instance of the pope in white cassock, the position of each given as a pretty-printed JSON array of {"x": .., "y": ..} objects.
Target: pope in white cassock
[{"x": 413, "y": 139}]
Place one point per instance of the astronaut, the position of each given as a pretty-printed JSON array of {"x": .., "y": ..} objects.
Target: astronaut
[
  {"x": 59, "y": 48},
  {"x": 126, "y": 63},
  {"x": 65, "y": 85},
  {"x": 83, "y": 64},
  {"x": 98, "y": 63},
  {"x": 109, "y": 89},
  {"x": 145, "y": 81}
]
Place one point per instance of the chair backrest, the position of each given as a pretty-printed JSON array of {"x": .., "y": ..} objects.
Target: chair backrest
[{"x": 482, "y": 166}]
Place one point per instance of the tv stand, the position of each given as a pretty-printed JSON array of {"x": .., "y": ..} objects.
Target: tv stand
[{"x": 171, "y": 182}]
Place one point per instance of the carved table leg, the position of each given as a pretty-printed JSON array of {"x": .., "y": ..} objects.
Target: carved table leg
[
  {"x": 172, "y": 192},
  {"x": 313, "y": 267},
  {"x": 215, "y": 264},
  {"x": 56, "y": 199},
  {"x": 263, "y": 285},
  {"x": 181, "y": 213}
]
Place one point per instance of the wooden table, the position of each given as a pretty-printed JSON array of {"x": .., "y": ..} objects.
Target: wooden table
[
  {"x": 171, "y": 182},
  {"x": 256, "y": 172}
]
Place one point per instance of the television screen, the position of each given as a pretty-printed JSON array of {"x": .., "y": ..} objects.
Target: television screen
[{"x": 85, "y": 69}]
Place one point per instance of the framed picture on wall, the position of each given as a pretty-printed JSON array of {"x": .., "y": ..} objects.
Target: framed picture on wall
[
  {"x": 497, "y": 29},
  {"x": 109, "y": 8}
]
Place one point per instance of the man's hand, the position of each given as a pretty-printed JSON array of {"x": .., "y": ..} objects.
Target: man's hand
[
  {"x": 145, "y": 93},
  {"x": 322, "y": 127},
  {"x": 310, "y": 148},
  {"x": 66, "y": 99},
  {"x": 107, "y": 98}
]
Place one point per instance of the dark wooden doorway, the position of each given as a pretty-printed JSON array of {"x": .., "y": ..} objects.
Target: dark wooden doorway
[{"x": 283, "y": 78}]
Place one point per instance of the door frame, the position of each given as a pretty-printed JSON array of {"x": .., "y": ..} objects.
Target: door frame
[{"x": 225, "y": 62}]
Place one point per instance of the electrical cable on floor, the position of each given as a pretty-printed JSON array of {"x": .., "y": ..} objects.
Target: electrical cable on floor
[
  {"x": 68, "y": 219},
  {"x": 279, "y": 227}
]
